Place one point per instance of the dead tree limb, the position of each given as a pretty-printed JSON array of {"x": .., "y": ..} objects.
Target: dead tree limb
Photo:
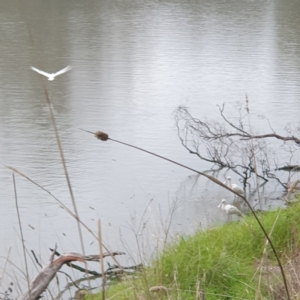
[
  {"x": 39, "y": 284},
  {"x": 91, "y": 258},
  {"x": 231, "y": 143}
]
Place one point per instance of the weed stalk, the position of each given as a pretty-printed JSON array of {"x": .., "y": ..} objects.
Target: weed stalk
[
  {"x": 21, "y": 232},
  {"x": 104, "y": 137}
]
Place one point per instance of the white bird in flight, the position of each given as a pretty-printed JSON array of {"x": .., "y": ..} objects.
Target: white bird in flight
[
  {"x": 229, "y": 209},
  {"x": 234, "y": 186},
  {"x": 52, "y": 75}
]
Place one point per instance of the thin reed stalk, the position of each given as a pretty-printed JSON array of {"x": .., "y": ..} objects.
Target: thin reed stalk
[
  {"x": 258, "y": 192},
  {"x": 101, "y": 259},
  {"x": 265, "y": 254},
  {"x": 62, "y": 157},
  {"x": 63, "y": 207},
  {"x": 5, "y": 264},
  {"x": 21, "y": 232},
  {"x": 57, "y": 138},
  {"x": 104, "y": 137}
]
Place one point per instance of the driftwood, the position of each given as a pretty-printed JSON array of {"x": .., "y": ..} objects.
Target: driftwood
[
  {"x": 39, "y": 284},
  {"x": 84, "y": 270}
]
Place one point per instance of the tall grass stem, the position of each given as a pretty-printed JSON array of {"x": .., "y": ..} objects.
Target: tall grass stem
[
  {"x": 101, "y": 134},
  {"x": 21, "y": 232},
  {"x": 103, "y": 279}
]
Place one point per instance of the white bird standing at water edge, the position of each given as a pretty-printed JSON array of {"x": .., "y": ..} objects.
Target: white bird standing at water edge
[
  {"x": 229, "y": 209},
  {"x": 234, "y": 186},
  {"x": 51, "y": 76}
]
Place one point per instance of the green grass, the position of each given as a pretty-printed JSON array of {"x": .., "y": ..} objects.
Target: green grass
[{"x": 222, "y": 261}]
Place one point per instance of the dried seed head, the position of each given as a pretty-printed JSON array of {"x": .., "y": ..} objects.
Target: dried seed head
[{"x": 101, "y": 136}]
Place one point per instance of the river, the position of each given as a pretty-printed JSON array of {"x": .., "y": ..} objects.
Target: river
[{"x": 133, "y": 63}]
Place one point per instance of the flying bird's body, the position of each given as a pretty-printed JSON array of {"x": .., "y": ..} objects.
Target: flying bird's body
[{"x": 51, "y": 76}]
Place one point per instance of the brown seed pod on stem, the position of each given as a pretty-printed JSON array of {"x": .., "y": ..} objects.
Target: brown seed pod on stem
[{"x": 101, "y": 136}]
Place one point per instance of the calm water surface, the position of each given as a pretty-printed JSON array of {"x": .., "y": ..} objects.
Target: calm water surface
[{"x": 133, "y": 63}]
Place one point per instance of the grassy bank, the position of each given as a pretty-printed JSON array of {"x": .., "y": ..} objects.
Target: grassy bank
[{"x": 232, "y": 261}]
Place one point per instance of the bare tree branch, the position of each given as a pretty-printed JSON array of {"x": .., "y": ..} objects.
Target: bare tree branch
[{"x": 229, "y": 144}]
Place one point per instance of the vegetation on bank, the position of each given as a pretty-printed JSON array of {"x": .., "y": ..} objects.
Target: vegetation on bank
[{"x": 232, "y": 261}]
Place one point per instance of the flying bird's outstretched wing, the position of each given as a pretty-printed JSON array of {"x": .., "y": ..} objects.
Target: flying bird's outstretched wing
[
  {"x": 66, "y": 69},
  {"x": 41, "y": 72}
]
